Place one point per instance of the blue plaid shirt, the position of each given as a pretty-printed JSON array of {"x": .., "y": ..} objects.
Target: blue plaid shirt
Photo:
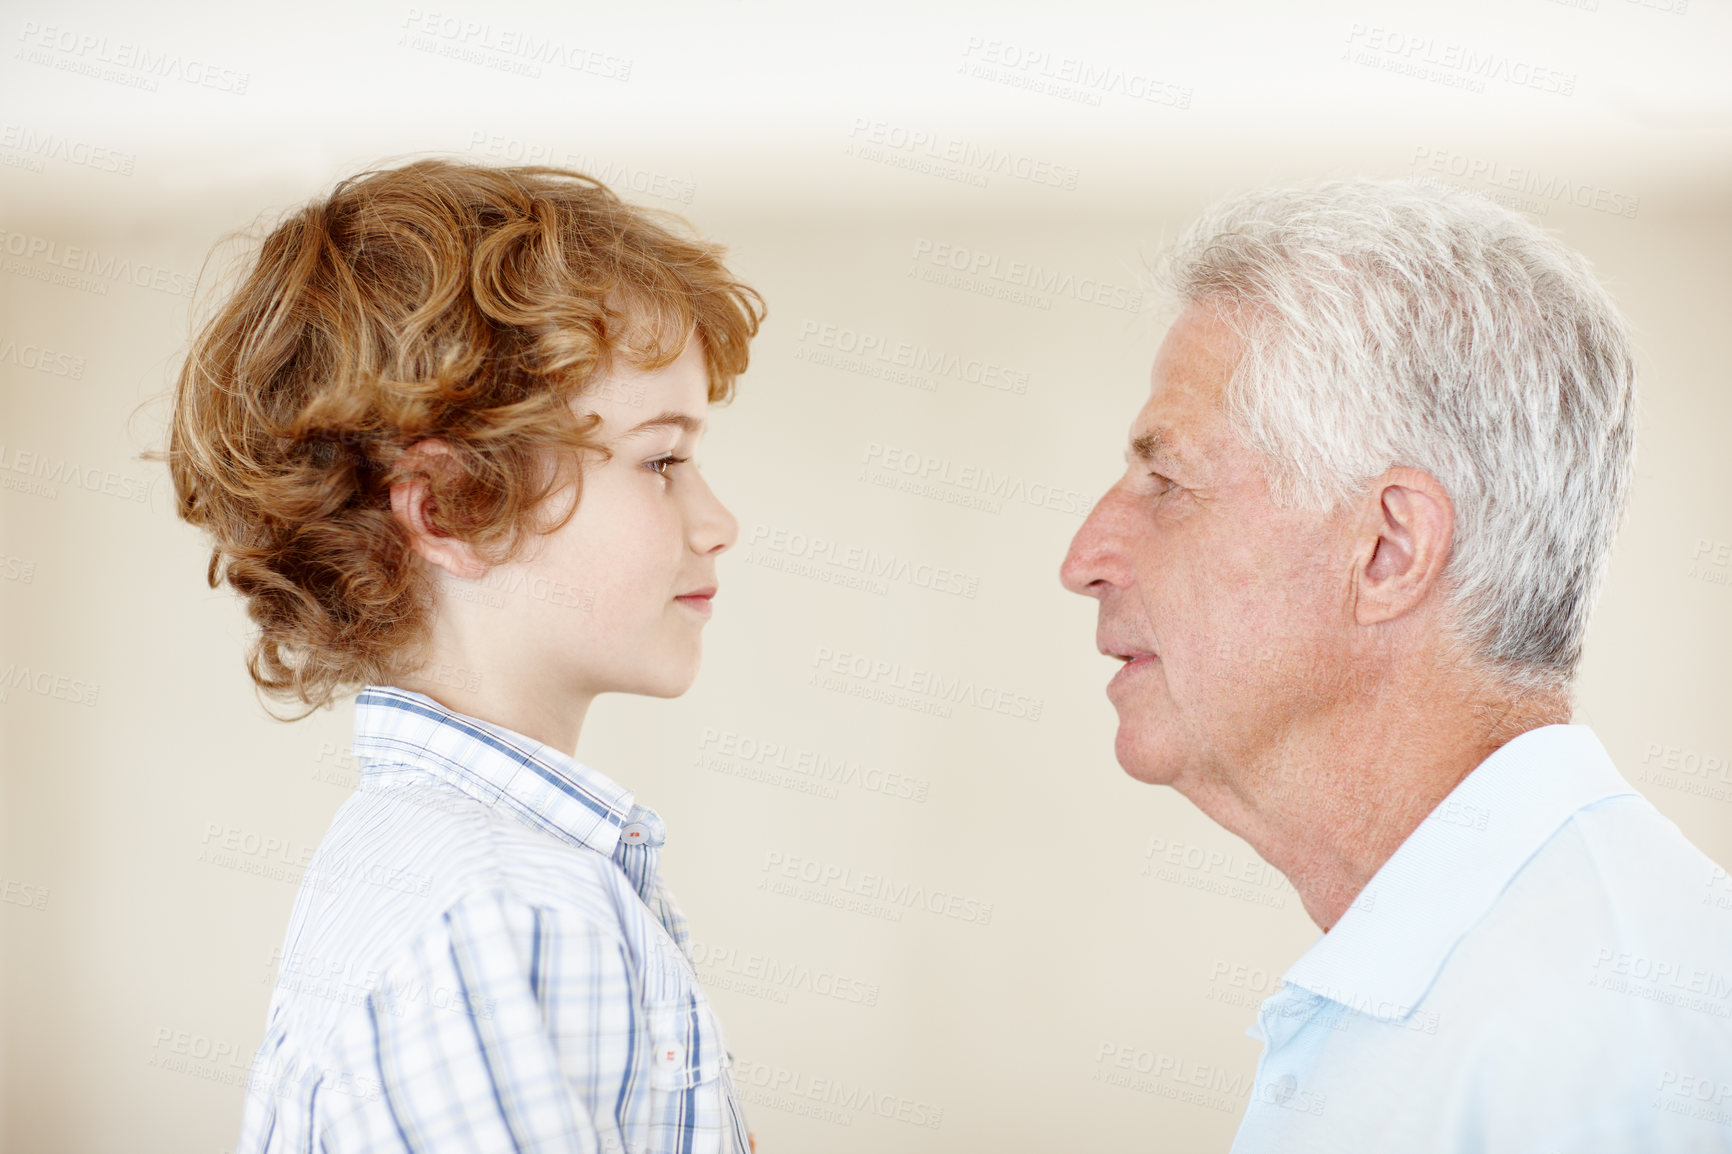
[{"x": 482, "y": 957}]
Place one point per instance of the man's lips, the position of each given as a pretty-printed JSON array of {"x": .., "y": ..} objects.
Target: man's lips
[
  {"x": 1122, "y": 651},
  {"x": 1132, "y": 663},
  {"x": 1134, "y": 657}
]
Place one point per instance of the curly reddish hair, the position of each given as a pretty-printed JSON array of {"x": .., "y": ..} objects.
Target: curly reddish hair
[{"x": 434, "y": 300}]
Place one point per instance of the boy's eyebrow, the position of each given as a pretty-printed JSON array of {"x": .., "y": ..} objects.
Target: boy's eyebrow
[{"x": 682, "y": 421}]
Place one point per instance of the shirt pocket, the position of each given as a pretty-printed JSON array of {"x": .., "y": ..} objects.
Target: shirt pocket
[{"x": 685, "y": 1049}]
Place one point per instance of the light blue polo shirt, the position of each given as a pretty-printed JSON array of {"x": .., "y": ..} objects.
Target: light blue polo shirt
[{"x": 1544, "y": 965}]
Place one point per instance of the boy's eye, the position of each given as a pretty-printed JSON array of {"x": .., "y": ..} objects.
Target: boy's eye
[{"x": 659, "y": 465}]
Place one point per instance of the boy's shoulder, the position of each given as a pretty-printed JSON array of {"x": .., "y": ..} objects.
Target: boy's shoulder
[{"x": 396, "y": 861}]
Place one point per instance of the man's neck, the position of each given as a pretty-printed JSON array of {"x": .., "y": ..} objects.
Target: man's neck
[{"x": 1339, "y": 796}]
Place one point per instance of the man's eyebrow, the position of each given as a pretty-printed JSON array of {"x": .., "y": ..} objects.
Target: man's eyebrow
[
  {"x": 1156, "y": 443},
  {"x": 682, "y": 421}
]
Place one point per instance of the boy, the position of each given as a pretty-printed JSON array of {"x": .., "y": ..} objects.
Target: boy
[{"x": 441, "y": 435}]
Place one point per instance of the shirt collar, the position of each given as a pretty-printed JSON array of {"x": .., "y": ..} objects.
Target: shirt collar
[
  {"x": 536, "y": 783},
  {"x": 1389, "y": 947}
]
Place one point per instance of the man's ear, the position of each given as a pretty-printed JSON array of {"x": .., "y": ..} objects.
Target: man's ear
[
  {"x": 413, "y": 503},
  {"x": 1407, "y": 526}
]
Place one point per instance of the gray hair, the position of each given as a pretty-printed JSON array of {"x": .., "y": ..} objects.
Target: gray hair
[{"x": 1395, "y": 323}]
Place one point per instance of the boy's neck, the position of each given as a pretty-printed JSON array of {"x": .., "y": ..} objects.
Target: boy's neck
[{"x": 531, "y": 710}]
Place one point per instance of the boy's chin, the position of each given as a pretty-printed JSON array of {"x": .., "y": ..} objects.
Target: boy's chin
[{"x": 661, "y": 682}]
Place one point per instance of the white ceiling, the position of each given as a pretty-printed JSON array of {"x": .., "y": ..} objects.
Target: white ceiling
[{"x": 759, "y": 101}]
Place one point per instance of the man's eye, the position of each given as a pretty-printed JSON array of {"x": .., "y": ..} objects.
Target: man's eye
[
  {"x": 659, "y": 465},
  {"x": 1161, "y": 483}
]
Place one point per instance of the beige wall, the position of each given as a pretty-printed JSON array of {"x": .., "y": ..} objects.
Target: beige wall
[{"x": 146, "y": 942}]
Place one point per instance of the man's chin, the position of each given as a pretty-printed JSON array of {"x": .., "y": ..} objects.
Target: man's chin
[{"x": 1146, "y": 755}]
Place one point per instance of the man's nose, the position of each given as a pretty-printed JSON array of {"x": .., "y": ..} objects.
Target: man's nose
[{"x": 1096, "y": 558}]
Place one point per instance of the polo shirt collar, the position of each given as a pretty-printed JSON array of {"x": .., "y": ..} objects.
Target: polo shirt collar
[
  {"x": 536, "y": 783},
  {"x": 1387, "y": 950}
]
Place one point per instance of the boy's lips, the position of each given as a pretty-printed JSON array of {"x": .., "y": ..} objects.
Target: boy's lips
[{"x": 698, "y": 599}]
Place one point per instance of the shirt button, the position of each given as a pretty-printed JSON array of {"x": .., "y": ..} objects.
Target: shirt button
[
  {"x": 635, "y": 832},
  {"x": 1283, "y": 1088}
]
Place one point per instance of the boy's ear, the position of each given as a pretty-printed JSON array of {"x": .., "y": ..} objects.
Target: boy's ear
[{"x": 413, "y": 504}]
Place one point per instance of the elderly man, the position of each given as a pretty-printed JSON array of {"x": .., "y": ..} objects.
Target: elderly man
[{"x": 1348, "y": 571}]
